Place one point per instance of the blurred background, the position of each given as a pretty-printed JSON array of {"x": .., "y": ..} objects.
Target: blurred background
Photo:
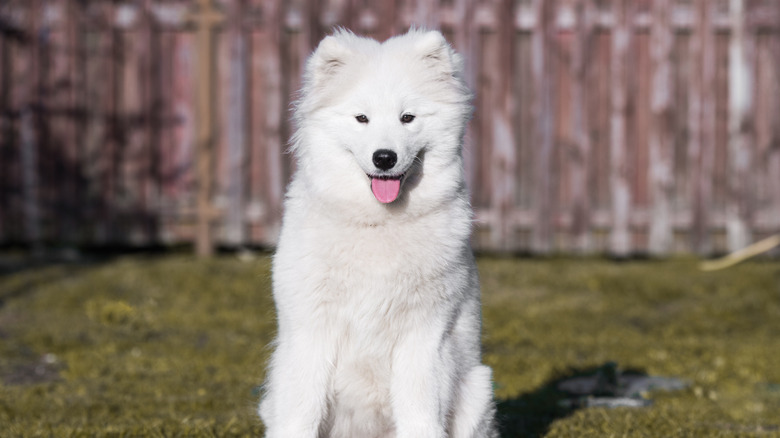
[{"x": 618, "y": 127}]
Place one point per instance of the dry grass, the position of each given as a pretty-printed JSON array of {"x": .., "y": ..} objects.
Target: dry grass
[{"x": 174, "y": 346}]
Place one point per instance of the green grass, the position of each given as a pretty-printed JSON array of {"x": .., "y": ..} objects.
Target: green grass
[{"x": 175, "y": 346}]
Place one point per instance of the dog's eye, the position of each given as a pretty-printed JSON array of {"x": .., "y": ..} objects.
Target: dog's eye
[
  {"x": 361, "y": 118},
  {"x": 407, "y": 118}
]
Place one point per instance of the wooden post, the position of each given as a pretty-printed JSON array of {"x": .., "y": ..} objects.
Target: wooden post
[
  {"x": 497, "y": 128},
  {"x": 234, "y": 82},
  {"x": 29, "y": 121},
  {"x": 702, "y": 119},
  {"x": 205, "y": 19},
  {"x": 661, "y": 141},
  {"x": 544, "y": 112},
  {"x": 580, "y": 208},
  {"x": 267, "y": 115},
  {"x": 740, "y": 192},
  {"x": 620, "y": 235}
]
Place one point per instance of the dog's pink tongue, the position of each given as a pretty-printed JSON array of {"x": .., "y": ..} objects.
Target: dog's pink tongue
[{"x": 385, "y": 190}]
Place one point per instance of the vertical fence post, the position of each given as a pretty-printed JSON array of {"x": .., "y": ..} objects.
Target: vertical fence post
[
  {"x": 620, "y": 235},
  {"x": 661, "y": 135},
  {"x": 498, "y": 54},
  {"x": 235, "y": 122},
  {"x": 29, "y": 121},
  {"x": 702, "y": 124},
  {"x": 774, "y": 155},
  {"x": 30, "y": 186},
  {"x": 739, "y": 199},
  {"x": 544, "y": 115},
  {"x": 581, "y": 122},
  {"x": 267, "y": 114},
  {"x": 205, "y": 19}
]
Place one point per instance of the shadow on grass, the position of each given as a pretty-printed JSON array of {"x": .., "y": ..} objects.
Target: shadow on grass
[
  {"x": 72, "y": 260},
  {"x": 530, "y": 415}
]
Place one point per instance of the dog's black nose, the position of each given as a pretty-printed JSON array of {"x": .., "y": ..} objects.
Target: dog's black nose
[{"x": 385, "y": 159}]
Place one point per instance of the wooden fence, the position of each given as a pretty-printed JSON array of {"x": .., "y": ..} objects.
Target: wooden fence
[{"x": 647, "y": 126}]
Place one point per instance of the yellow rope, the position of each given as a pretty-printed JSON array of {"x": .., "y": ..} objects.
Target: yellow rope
[{"x": 742, "y": 254}]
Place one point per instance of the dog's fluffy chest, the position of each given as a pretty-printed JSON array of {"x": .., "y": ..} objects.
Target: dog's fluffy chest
[
  {"x": 369, "y": 285},
  {"x": 370, "y": 265}
]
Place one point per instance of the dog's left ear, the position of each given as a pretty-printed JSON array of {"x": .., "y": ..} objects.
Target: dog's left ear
[
  {"x": 329, "y": 57},
  {"x": 435, "y": 51}
]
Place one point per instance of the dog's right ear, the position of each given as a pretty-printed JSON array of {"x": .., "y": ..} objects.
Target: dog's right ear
[{"x": 329, "y": 57}]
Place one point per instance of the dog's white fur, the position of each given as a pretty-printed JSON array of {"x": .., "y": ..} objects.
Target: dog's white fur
[{"x": 378, "y": 304}]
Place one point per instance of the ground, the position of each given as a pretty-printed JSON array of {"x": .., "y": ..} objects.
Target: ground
[{"x": 169, "y": 345}]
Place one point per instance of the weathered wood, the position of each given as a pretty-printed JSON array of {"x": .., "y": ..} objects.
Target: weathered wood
[
  {"x": 641, "y": 125},
  {"x": 27, "y": 98},
  {"x": 766, "y": 172},
  {"x": 99, "y": 129},
  {"x": 133, "y": 114},
  {"x": 544, "y": 103},
  {"x": 234, "y": 87},
  {"x": 296, "y": 43},
  {"x": 59, "y": 107},
  {"x": 575, "y": 145},
  {"x": 661, "y": 135},
  {"x": 152, "y": 184},
  {"x": 178, "y": 125},
  {"x": 6, "y": 141},
  {"x": 620, "y": 237},
  {"x": 774, "y": 145},
  {"x": 701, "y": 121},
  {"x": 599, "y": 104},
  {"x": 739, "y": 208},
  {"x": 495, "y": 125},
  {"x": 206, "y": 18},
  {"x": 267, "y": 114},
  {"x": 581, "y": 149}
]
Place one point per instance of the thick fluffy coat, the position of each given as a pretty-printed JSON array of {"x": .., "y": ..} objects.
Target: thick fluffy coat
[{"x": 375, "y": 285}]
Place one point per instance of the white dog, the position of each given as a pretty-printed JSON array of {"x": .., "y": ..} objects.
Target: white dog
[{"x": 375, "y": 285}]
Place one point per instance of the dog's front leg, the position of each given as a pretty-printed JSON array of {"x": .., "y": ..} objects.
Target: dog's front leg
[
  {"x": 296, "y": 389},
  {"x": 421, "y": 385}
]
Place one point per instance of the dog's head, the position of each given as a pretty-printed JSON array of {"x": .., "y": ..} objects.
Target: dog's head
[{"x": 382, "y": 123}]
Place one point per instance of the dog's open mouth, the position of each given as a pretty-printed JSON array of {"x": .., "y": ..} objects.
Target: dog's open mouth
[{"x": 386, "y": 188}]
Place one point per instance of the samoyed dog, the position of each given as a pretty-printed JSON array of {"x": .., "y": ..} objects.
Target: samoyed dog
[{"x": 375, "y": 285}]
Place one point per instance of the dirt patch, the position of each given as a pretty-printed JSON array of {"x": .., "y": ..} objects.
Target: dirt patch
[{"x": 43, "y": 369}]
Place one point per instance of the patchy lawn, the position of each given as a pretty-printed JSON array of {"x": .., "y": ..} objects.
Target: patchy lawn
[{"x": 175, "y": 346}]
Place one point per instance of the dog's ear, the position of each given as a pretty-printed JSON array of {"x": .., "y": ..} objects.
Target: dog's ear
[
  {"x": 435, "y": 51},
  {"x": 329, "y": 57}
]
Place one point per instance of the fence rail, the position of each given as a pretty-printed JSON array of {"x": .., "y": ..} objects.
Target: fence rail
[{"x": 646, "y": 126}]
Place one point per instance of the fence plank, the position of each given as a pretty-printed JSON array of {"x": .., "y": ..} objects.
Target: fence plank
[
  {"x": 701, "y": 121},
  {"x": 767, "y": 134},
  {"x": 99, "y": 139},
  {"x": 10, "y": 177},
  {"x": 59, "y": 106},
  {"x": 661, "y": 134},
  {"x": 132, "y": 123},
  {"x": 580, "y": 202},
  {"x": 620, "y": 238},
  {"x": 268, "y": 115},
  {"x": 774, "y": 147},
  {"x": 739, "y": 208},
  {"x": 5, "y": 141},
  {"x": 27, "y": 97},
  {"x": 234, "y": 89},
  {"x": 178, "y": 170},
  {"x": 544, "y": 79},
  {"x": 497, "y": 168}
]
